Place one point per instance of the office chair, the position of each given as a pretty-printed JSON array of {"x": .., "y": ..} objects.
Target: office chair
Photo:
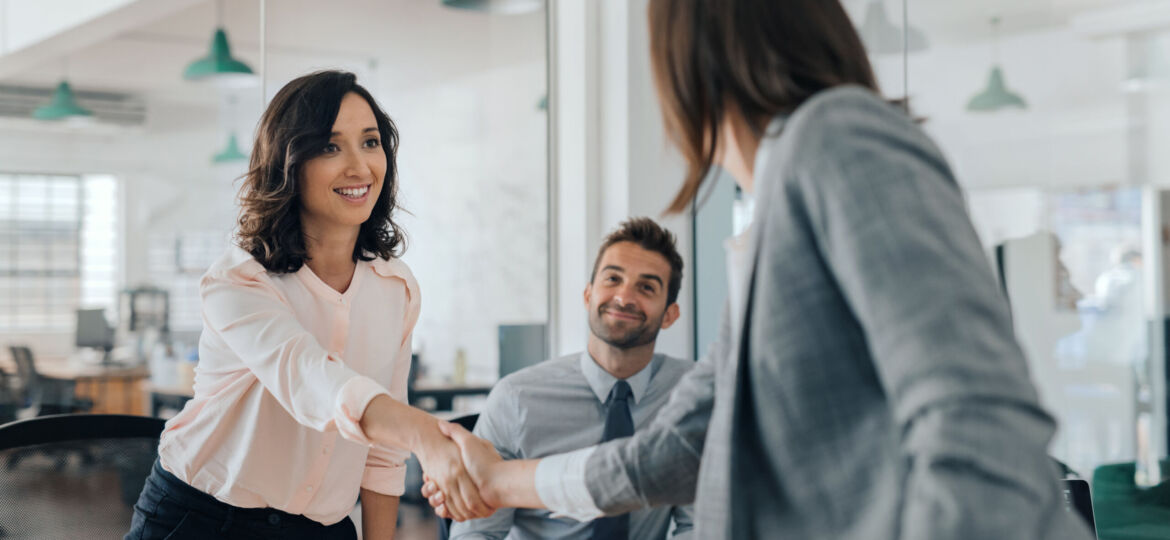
[
  {"x": 1125, "y": 511},
  {"x": 53, "y": 496},
  {"x": 9, "y": 403},
  {"x": 468, "y": 422},
  {"x": 41, "y": 395}
]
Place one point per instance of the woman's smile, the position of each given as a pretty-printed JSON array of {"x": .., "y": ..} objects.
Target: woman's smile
[{"x": 354, "y": 194}]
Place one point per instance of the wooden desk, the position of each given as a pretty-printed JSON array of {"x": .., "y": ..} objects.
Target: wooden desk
[
  {"x": 102, "y": 384},
  {"x": 175, "y": 396},
  {"x": 445, "y": 394}
]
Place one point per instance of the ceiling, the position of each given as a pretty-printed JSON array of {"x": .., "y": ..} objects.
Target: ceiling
[
  {"x": 959, "y": 22},
  {"x": 408, "y": 43}
]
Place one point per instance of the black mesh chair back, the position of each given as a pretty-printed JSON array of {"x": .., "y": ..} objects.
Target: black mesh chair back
[
  {"x": 42, "y": 395},
  {"x": 48, "y": 490},
  {"x": 25, "y": 383},
  {"x": 9, "y": 401},
  {"x": 468, "y": 422}
]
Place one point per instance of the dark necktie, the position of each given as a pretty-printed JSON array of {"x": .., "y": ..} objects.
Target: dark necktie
[{"x": 618, "y": 423}]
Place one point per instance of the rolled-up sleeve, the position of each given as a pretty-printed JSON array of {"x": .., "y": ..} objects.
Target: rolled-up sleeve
[
  {"x": 385, "y": 471},
  {"x": 245, "y": 310}
]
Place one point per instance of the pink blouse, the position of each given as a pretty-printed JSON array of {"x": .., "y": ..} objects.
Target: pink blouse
[{"x": 286, "y": 368}]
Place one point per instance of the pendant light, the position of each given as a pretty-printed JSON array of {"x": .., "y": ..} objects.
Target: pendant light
[
  {"x": 231, "y": 153},
  {"x": 219, "y": 66},
  {"x": 502, "y": 7},
  {"x": 996, "y": 95},
  {"x": 63, "y": 107},
  {"x": 882, "y": 37}
]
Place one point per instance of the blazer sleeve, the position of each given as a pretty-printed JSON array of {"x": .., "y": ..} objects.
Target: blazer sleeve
[{"x": 891, "y": 223}]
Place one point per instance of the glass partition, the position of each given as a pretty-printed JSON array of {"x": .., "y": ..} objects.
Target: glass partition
[
  {"x": 125, "y": 127},
  {"x": 1051, "y": 115}
]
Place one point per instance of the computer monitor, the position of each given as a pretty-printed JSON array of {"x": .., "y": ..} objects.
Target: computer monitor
[
  {"x": 94, "y": 331},
  {"x": 521, "y": 345}
]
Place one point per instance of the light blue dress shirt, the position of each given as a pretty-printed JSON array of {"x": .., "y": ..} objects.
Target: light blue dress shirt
[{"x": 557, "y": 406}]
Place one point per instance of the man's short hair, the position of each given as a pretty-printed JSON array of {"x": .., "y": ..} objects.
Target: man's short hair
[{"x": 650, "y": 236}]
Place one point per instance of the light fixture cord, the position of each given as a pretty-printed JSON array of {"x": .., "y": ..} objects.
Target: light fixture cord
[
  {"x": 3, "y": 26},
  {"x": 906, "y": 55},
  {"x": 995, "y": 40},
  {"x": 263, "y": 53}
]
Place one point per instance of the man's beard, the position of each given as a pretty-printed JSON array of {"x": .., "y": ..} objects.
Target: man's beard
[{"x": 628, "y": 338}]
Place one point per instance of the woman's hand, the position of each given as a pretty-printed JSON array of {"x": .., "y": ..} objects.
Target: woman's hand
[
  {"x": 478, "y": 457},
  {"x": 389, "y": 422},
  {"x": 442, "y": 462}
]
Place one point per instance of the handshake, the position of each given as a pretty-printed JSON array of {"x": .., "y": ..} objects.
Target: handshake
[{"x": 463, "y": 474}]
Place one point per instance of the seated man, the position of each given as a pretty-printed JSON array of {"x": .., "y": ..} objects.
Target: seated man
[{"x": 607, "y": 392}]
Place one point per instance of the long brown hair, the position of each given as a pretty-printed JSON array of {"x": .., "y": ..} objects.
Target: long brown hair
[
  {"x": 762, "y": 57},
  {"x": 294, "y": 129}
]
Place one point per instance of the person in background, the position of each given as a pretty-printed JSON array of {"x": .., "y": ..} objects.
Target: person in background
[
  {"x": 866, "y": 384},
  {"x": 610, "y": 390},
  {"x": 305, "y": 346}
]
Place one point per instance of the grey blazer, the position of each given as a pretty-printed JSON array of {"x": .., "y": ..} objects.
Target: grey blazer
[{"x": 872, "y": 387}]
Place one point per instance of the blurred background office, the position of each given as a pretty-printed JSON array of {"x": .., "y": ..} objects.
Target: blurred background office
[
  {"x": 529, "y": 128},
  {"x": 125, "y": 124}
]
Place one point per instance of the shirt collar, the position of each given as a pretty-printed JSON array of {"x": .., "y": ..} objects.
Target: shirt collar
[
  {"x": 602, "y": 382},
  {"x": 771, "y": 132}
]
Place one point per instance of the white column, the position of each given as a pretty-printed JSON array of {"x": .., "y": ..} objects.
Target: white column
[{"x": 610, "y": 156}]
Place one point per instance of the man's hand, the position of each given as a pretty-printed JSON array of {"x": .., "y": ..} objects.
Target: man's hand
[
  {"x": 442, "y": 461},
  {"x": 479, "y": 457}
]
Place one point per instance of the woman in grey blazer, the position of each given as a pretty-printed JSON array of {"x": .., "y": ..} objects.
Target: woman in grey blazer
[{"x": 867, "y": 384}]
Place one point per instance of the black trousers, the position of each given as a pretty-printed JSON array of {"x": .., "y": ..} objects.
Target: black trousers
[{"x": 169, "y": 508}]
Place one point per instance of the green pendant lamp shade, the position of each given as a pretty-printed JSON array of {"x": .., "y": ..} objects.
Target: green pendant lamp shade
[
  {"x": 231, "y": 153},
  {"x": 996, "y": 96},
  {"x": 63, "y": 106},
  {"x": 219, "y": 66}
]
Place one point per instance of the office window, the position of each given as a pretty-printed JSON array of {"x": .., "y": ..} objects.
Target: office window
[{"x": 58, "y": 249}]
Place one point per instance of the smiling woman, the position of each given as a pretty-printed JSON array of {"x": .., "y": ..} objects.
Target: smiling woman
[
  {"x": 311, "y": 160},
  {"x": 303, "y": 360}
]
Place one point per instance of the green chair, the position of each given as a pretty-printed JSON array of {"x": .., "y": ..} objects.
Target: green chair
[{"x": 1125, "y": 512}]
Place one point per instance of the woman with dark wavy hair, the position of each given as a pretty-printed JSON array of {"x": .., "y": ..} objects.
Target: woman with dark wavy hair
[
  {"x": 305, "y": 350},
  {"x": 866, "y": 384}
]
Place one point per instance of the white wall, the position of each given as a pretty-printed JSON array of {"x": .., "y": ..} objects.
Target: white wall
[{"x": 474, "y": 181}]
